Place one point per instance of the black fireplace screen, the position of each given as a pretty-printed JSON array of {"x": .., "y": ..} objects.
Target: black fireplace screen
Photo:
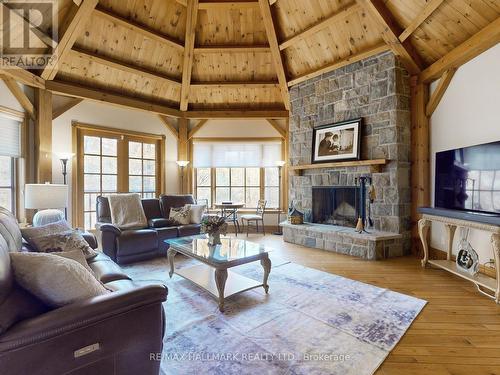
[{"x": 336, "y": 205}]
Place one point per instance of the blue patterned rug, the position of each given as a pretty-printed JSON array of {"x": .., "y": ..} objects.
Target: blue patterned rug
[{"x": 311, "y": 322}]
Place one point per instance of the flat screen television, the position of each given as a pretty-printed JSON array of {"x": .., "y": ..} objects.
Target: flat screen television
[{"x": 468, "y": 179}]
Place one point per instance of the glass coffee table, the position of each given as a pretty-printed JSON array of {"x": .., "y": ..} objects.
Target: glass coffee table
[{"x": 212, "y": 274}]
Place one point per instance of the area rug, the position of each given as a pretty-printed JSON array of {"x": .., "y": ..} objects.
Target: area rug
[{"x": 311, "y": 322}]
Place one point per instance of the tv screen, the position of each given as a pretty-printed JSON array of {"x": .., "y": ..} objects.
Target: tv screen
[{"x": 469, "y": 178}]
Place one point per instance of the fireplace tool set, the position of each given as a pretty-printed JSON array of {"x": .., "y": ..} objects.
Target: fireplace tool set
[{"x": 363, "y": 218}]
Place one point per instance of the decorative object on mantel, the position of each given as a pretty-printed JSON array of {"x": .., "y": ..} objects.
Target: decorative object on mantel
[
  {"x": 338, "y": 141},
  {"x": 214, "y": 226},
  {"x": 486, "y": 285},
  {"x": 467, "y": 258},
  {"x": 295, "y": 216}
]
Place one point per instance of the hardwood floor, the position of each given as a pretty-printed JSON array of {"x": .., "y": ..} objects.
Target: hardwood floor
[{"x": 458, "y": 331}]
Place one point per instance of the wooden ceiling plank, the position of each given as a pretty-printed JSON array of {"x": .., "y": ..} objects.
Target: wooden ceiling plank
[
  {"x": 230, "y": 49},
  {"x": 483, "y": 40},
  {"x": 227, "y": 5},
  {"x": 124, "y": 66},
  {"x": 429, "y": 8},
  {"x": 277, "y": 127},
  {"x": 340, "y": 63},
  {"x": 141, "y": 29},
  {"x": 77, "y": 91},
  {"x": 223, "y": 84},
  {"x": 390, "y": 31},
  {"x": 197, "y": 128},
  {"x": 237, "y": 114},
  {"x": 56, "y": 112},
  {"x": 265, "y": 9},
  {"x": 187, "y": 66},
  {"x": 19, "y": 95},
  {"x": 311, "y": 30},
  {"x": 169, "y": 126},
  {"x": 438, "y": 93},
  {"x": 73, "y": 31}
]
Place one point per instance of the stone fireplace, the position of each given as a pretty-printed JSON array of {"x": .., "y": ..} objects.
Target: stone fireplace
[
  {"x": 335, "y": 205},
  {"x": 376, "y": 89}
]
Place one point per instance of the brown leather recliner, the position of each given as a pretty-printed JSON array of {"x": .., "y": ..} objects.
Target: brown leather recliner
[
  {"x": 134, "y": 245},
  {"x": 124, "y": 326}
]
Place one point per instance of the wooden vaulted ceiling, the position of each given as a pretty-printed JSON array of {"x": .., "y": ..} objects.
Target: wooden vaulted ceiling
[{"x": 207, "y": 55}]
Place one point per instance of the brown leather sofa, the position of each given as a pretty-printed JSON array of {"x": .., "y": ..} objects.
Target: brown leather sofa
[
  {"x": 125, "y": 325},
  {"x": 127, "y": 246}
]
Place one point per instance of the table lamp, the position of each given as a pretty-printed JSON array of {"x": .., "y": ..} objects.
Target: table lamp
[{"x": 48, "y": 199}]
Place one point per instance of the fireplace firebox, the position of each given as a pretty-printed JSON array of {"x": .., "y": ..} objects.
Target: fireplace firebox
[{"x": 335, "y": 205}]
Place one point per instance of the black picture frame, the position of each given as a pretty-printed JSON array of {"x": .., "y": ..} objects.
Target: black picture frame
[{"x": 330, "y": 154}]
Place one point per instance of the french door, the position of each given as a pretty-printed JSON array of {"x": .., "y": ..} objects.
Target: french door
[{"x": 112, "y": 161}]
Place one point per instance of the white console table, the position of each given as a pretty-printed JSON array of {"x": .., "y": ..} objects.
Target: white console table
[{"x": 483, "y": 283}]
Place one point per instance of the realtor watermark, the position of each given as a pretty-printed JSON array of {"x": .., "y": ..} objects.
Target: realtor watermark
[
  {"x": 248, "y": 357},
  {"x": 29, "y": 34}
]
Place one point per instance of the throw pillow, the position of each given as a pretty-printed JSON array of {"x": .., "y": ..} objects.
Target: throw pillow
[
  {"x": 197, "y": 211},
  {"x": 77, "y": 256},
  {"x": 9, "y": 229},
  {"x": 127, "y": 211},
  {"x": 55, "y": 280},
  {"x": 57, "y": 237},
  {"x": 180, "y": 214}
]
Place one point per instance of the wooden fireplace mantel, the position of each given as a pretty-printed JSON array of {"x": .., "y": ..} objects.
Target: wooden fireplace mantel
[{"x": 374, "y": 165}]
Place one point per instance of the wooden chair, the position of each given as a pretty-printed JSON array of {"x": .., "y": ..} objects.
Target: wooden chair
[{"x": 258, "y": 216}]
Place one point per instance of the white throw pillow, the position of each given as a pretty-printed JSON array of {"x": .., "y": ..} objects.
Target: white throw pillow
[
  {"x": 127, "y": 211},
  {"x": 55, "y": 280},
  {"x": 182, "y": 215},
  {"x": 197, "y": 211}
]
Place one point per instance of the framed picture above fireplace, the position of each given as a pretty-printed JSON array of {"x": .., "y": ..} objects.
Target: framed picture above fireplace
[{"x": 339, "y": 141}]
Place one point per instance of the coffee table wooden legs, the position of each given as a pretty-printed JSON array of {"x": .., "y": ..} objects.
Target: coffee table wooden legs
[
  {"x": 266, "y": 264},
  {"x": 220, "y": 281},
  {"x": 171, "y": 255}
]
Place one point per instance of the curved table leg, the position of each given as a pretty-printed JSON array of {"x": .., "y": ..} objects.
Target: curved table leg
[
  {"x": 495, "y": 243},
  {"x": 220, "y": 281},
  {"x": 423, "y": 230},
  {"x": 171, "y": 255},
  {"x": 266, "y": 264}
]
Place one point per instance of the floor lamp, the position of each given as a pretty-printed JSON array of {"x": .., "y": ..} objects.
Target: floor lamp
[
  {"x": 182, "y": 164},
  {"x": 64, "y": 157},
  {"x": 280, "y": 165}
]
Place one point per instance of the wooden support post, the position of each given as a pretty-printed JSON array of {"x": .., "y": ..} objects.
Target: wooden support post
[
  {"x": 420, "y": 170},
  {"x": 43, "y": 136},
  {"x": 182, "y": 153}
]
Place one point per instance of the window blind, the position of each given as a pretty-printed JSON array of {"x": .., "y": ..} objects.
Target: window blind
[
  {"x": 10, "y": 141},
  {"x": 236, "y": 154}
]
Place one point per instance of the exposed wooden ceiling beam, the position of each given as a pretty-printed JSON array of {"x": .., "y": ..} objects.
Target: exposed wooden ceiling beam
[
  {"x": 272, "y": 2},
  {"x": 340, "y": 63},
  {"x": 73, "y": 31},
  {"x": 483, "y": 40},
  {"x": 19, "y": 95},
  {"x": 231, "y": 49},
  {"x": 223, "y": 84},
  {"x": 277, "y": 127},
  {"x": 77, "y": 91},
  {"x": 124, "y": 66},
  {"x": 56, "y": 112},
  {"x": 429, "y": 8},
  {"x": 438, "y": 93},
  {"x": 196, "y": 128},
  {"x": 141, "y": 29},
  {"x": 21, "y": 75},
  {"x": 237, "y": 114},
  {"x": 187, "y": 66},
  {"x": 390, "y": 31},
  {"x": 241, "y": 4},
  {"x": 267, "y": 16},
  {"x": 311, "y": 30},
  {"x": 168, "y": 124}
]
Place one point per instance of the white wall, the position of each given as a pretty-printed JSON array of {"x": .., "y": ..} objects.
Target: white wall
[
  {"x": 113, "y": 117},
  {"x": 468, "y": 114}
]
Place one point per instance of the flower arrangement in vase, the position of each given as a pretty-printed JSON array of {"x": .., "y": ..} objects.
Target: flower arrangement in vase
[{"x": 214, "y": 226}]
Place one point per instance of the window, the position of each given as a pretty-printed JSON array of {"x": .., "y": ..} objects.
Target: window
[
  {"x": 245, "y": 185},
  {"x": 111, "y": 161},
  {"x": 7, "y": 185}
]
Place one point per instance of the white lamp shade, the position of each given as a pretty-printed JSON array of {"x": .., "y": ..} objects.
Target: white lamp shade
[
  {"x": 280, "y": 163},
  {"x": 42, "y": 196},
  {"x": 182, "y": 163}
]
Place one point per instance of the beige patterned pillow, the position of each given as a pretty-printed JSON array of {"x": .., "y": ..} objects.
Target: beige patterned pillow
[
  {"x": 55, "y": 280},
  {"x": 180, "y": 214}
]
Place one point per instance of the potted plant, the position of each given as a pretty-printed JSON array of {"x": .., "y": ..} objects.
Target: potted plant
[{"x": 214, "y": 226}]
